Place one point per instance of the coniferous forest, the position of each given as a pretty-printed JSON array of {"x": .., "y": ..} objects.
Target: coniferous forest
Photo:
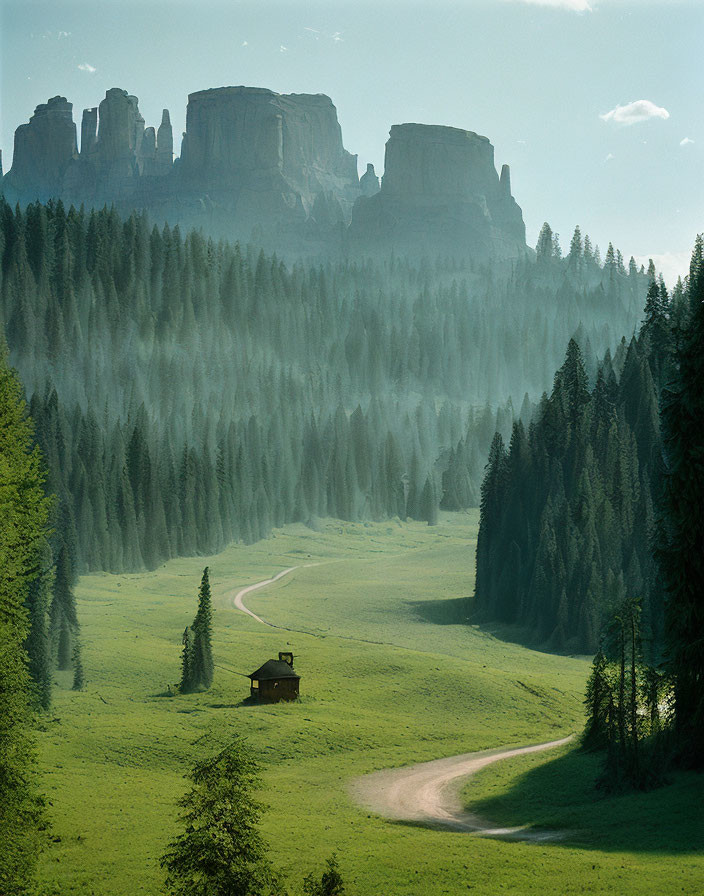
[
  {"x": 351, "y": 517},
  {"x": 187, "y": 393},
  {"x": 573, "y": 499},
  {"x": 590, "y": 533}
]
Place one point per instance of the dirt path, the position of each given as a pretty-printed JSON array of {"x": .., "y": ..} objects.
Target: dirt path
[
  {"x": 237, "y": 600},
  {"x": 428, "y": 793}
]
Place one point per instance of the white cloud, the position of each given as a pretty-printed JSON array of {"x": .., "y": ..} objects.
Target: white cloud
[
  {"x": 687, "y": 141},
  {"x": 571, "y": 5},
  {"x": 87, "y": 67},
  {"x": 670, "y": 264},
  {"x": 632, "y": 113}
]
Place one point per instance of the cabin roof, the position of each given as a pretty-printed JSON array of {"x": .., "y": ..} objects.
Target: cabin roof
[{"x": 273, "y": 669}]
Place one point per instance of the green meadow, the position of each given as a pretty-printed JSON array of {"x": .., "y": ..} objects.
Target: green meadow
[{"x": 391, "y": 674}]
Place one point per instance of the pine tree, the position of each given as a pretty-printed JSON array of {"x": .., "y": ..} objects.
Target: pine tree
[
  {"x": 64, "y": 621},
  {"x": 77, "y": 663},
  {"x": 23, "y": 535},
  {"x": 597, "y": 701},
  {"x": 544, "y": 247},
  {"x": 185, "y": 685},
  {"x": 201, "y": 654},
  {"x": 428, "y": 503},
  {"x": 330, "y": 883},
  {"x": 220, "y": 851},
  {"x": 576, "y": 249},
  {"x": 681, "y": 529}
]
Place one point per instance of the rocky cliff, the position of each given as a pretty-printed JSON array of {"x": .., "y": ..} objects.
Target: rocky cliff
[
  {"x": 440, "y": 193},
  {"x": 266, "y": 160},
  {"x": 44, "y": 149},
  {"x": 272, "y": 168}
]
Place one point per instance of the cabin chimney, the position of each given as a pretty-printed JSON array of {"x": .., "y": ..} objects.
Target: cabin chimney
[{"x": 286, "y": 657}]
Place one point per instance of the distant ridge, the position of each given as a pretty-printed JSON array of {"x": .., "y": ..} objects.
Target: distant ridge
[{"x": 271, "y": 169}]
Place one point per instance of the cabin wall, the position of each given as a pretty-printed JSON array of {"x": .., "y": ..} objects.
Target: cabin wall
[{"x": 275, "y": 691}]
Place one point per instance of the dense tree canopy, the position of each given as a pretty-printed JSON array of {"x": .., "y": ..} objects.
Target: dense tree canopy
[
  {"x": 568, "y": 511},
  {"x": 680, "y": 548},
  {"x": 187, "y": 393},
  {"x": 24, "y": 516}
]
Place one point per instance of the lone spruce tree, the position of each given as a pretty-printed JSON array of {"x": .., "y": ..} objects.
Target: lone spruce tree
[
  {"x": 220, "y": 852},
  {"x": 197, "y": 658}
]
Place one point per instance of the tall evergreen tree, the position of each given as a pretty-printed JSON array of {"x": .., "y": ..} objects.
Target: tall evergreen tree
[
  {"x": 24, "y": 515},
  {"x": 201, "y": 653},
  {"x": 220, "y": 851},
  {"x": 185, "y": 685},
  {"x": 680, "y": 548}
]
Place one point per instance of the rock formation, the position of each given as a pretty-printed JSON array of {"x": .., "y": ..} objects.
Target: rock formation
[
  {"x": 440, "y": 193},
  {"x": 271, "y": 168},
  {"x": 164, "y": 144},
  {"x": 266, "y": 159},
  {"x": 369, "y": 182},
  {"x": 44, "y": 149},
  {"x": 89, "y": 131}
]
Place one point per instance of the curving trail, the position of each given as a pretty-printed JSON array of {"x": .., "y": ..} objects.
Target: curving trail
[
  {"x": 428, "y": 793},
  {"x": 237, "y": 600}
]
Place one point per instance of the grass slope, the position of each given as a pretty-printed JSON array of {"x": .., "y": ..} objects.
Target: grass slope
[{"x": 390, "y": 675}]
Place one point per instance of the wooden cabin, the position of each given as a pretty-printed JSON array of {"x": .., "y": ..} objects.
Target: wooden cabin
[{"x": 275, "y": 680}]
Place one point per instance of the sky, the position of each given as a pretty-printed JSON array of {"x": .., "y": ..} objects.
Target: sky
[{"x": 597, "y": 105}]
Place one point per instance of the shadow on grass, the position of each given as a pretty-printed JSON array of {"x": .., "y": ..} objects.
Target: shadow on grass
[
  {"x": 453, "y": 611},
  {"x": 253, "y": 702},
  {"x": 560, "y": 795},
  {"x": 525, "y": 637}
]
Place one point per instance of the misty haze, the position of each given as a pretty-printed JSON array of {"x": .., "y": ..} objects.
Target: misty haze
[{"x": 351, "y": 448}]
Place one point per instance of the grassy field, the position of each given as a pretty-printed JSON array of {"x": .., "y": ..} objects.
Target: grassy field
[{"x": 391, "y": 674}]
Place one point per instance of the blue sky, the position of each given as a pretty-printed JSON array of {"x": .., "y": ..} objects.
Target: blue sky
[{"x": 538, "y": 77}]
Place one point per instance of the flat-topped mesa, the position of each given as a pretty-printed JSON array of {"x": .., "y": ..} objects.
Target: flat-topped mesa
[
  {"x": 272, "y": 169},
  {"x": 266, "y": 155},
  {"x": 434, "y": 161},
  {"x": 440, "y": 193},
  {"x": 43, "y": 150}
]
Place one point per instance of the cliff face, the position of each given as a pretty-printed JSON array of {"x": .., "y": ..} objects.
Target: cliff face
[
  {"x": 44, "y": 149},
  {"x": 266, "y": 159},
  {"x": 272, "y": 168},
  {"x": 119, "y": 157},
  {"x": 440, "y": 193}
]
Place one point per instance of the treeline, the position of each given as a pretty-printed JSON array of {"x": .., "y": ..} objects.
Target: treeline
[
  {"x": 649, "y": 711},
  {"x": 188, "y": 393},
  {"x": 568, "y": 509},
  {"x": 25, "y": 512}
]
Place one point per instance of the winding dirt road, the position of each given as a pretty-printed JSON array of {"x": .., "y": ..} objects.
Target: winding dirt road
[
  {"x": 237, "y": 600},
  {"x": 428, "y": 793}
]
